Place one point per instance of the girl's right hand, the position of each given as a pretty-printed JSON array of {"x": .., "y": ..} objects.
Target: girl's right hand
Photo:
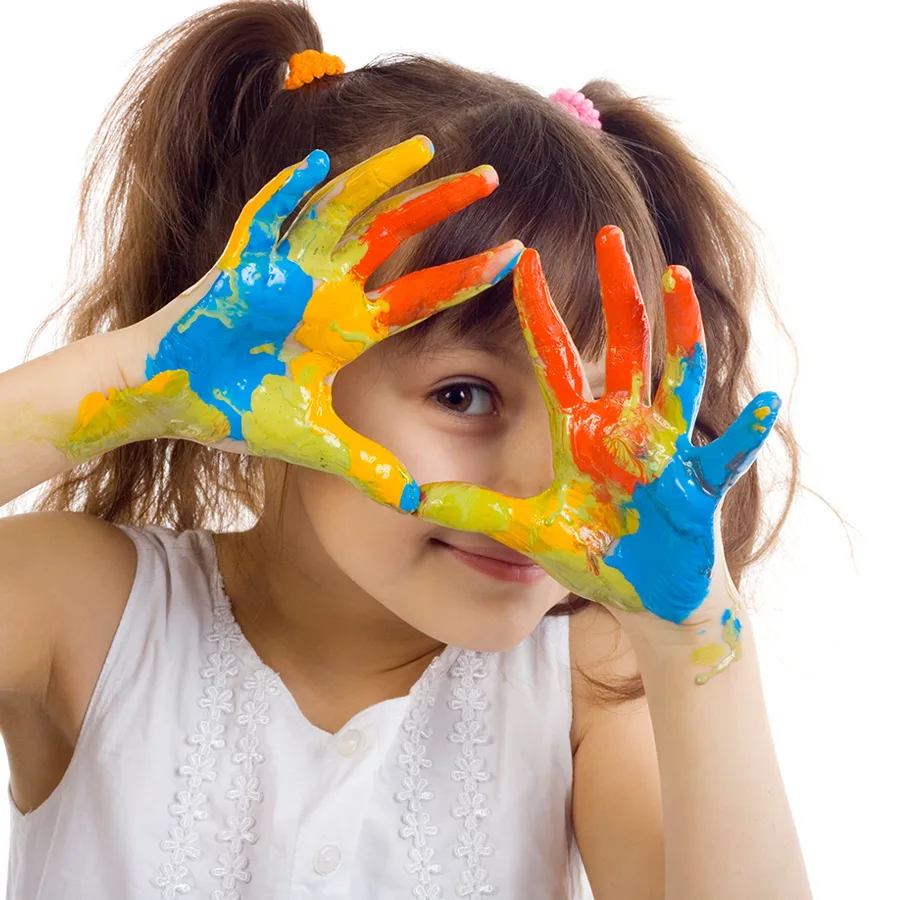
[{"x": 244, "y": 360}]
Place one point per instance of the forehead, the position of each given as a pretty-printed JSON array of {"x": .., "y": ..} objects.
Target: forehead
[{"x": 443, "y": 344}]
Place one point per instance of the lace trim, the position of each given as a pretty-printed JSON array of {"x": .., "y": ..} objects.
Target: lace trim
[
  {"x": 188, "y": 807},
  {"x": 468, "y": 700},
  {"x": 415, "y": 790},
  {"x": 246, "y": 786}
]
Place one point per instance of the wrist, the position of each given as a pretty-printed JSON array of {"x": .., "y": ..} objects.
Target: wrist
[
  {"x": 713, "y": 638},
  {"x": 129, "y": 357},
  {"x": 120, "y": 410}
]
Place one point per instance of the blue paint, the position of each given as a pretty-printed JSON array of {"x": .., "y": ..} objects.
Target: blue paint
[
  {"x": 669, "y": 559},
  {"x": 508, "y": 267},
  {"x": 264, "y": 298},
  {"x": 410, "y": 498},
  {"x": 731, "y": 454}
]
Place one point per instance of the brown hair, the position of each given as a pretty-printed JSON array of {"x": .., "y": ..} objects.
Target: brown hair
[{"x": 204, "y": 122}]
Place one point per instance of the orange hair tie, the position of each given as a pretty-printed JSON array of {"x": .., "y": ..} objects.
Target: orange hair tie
[{"x": 309, "y": 65}]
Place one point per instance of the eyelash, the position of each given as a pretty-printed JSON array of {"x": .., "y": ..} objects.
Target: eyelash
[{"x": 466, "y": 385}]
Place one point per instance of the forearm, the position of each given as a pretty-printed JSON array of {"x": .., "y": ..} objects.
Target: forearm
[
  {"x": 39, "y": 408},
  {"x": 729, "y": 831}
]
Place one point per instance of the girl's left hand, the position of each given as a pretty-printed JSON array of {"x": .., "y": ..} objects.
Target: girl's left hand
[{"x": 630, "y": 519}]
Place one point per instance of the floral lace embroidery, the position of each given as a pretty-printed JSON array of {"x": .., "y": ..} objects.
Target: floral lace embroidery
[
  {"x": 245, "y": 791},
  {"x": 468, "y": 700},
  {"x": 201, "y": 766},
  {"x": 415, "y": 791}
]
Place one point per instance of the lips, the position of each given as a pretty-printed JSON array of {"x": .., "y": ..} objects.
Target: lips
[
  {"x": 492, "y": 551},
  {"x": 497, "y": 561}
]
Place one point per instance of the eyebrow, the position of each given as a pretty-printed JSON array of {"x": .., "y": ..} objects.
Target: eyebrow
[{"x": 483, "y": 343}]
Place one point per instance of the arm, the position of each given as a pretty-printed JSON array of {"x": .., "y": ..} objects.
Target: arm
[
  {"x": 616, "y": 802},
  {"x": 237, "y": 363},
  {"x": 705, "y": 776},
  {"x": 39, "y": 403},
  {"x": 729, "y": 828}
]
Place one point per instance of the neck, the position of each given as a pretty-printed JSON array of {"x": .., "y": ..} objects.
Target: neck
[{"x": 304, "y": 617}]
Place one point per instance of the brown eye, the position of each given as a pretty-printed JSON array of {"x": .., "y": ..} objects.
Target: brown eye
[{"x": 466, "y": 399}]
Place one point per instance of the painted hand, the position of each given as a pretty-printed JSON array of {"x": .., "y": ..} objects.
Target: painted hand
[
  {"x": 629, "y": 518},
  {"x": 248, "y": 364}
]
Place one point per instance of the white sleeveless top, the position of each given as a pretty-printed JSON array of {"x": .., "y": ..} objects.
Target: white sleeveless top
[{"x": 196, "y": 775}]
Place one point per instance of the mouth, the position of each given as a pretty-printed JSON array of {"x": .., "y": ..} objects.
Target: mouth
[{"x": 501, "y": 564}]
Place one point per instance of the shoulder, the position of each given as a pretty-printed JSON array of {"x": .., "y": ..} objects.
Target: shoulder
[{"x": 66, "y": 578}]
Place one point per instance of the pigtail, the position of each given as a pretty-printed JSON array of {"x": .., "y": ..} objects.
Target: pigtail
[
  {"x": 154, "y": 216},
  {"x": 699, "y": 225},
  {"x": 174, "y": 131}
]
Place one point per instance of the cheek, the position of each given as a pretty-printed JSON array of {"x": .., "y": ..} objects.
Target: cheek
[{"x": 366, "y": 540}]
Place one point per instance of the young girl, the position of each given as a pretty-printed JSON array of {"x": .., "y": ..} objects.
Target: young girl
[{"x": 398, "y": 698}]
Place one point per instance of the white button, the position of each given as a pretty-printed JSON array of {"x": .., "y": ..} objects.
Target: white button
[
  {"x": 351, "y": 741},
  {"x": 327, "y": 859}
]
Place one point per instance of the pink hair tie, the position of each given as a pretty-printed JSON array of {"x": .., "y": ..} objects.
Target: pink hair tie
[{"x": 580, "y": 106}]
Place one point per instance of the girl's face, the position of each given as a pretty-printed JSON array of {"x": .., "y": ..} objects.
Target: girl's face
[{"x": 451, "y": 412}]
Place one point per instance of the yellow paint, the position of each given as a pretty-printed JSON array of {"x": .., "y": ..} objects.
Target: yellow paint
[
  {"x": 673, "y": 376},
  {"x": 165, "y": 406},
  {"x": 720, "y": 662},
  {"x": 336, "y": 309},
  {"x": 708, "y": 654},
  {"x": 226, "y": 309},
  {"x": 761, "y": 413},
  {"x": 668, "y": 281}
]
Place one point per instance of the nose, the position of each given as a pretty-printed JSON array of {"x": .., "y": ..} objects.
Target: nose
[{"x": 523, "y": 465}]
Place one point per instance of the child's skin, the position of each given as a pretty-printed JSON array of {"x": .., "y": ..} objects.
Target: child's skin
[{"x": 349, "y": 601}]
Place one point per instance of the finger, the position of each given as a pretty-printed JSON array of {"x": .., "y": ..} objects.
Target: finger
[
  {"x": 681, "y": 388},
  {"x": 293, "y": 419},
  {"x": 327, "y": 213},
  {"x": 261, "y": 218},
  {"x": 722, "y": 462},
  {"x": 468, "y": 507},
  {"x": 417, "y": 295},
  {"x": 374, "y": 470},
  {"x": 627, "y": 329},
  {"x": 392, "y": 221},
  {"x": 553, "y": 353}
]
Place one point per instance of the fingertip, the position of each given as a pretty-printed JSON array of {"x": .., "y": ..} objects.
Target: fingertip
[
  {"x": 411, "y": 497},
  {"x": 767, "y": 405},
  {"x": 530, "y": 259},
  {"x": 426, "y": 142},
  {"x": 319, "y": 160},
  {"x": 609, "y": 234},
  {"x": 489, "y": 174},
  {"x": 676, "y": 277},
  {"x": 513, "y": 260}
]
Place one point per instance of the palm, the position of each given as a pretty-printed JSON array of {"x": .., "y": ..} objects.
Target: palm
[{"x": 629, "y": 518}]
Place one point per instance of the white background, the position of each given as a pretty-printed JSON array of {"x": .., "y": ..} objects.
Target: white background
[{"x": 796, "y": 105}]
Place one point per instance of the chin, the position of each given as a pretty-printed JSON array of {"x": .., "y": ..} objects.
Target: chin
[{"x": 490, "y": 624}]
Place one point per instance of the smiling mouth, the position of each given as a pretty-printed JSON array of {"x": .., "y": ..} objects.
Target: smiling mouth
[{"x": 524, "y": 572}]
